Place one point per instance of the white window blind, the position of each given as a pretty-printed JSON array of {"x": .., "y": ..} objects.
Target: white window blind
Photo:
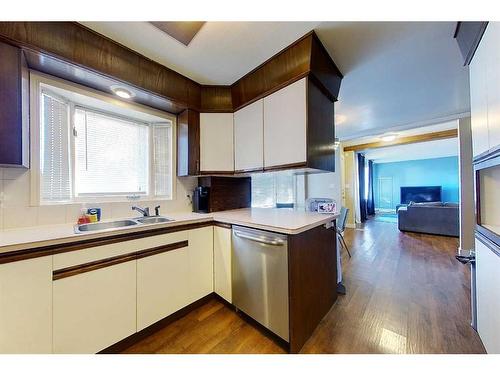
[
  {"x": 162, "y": 135},
  {"x": 271, "y": 188},
  {"x": 55, "y": 181},
  {"x": 285, "y": 188},
  {"x": 111, "y": 155}
]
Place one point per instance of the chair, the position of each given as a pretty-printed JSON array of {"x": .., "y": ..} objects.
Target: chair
[{"x": 341, "y": 228}]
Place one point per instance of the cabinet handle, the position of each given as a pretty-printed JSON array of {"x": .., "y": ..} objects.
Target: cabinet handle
[{"x": 108, "y": 262}]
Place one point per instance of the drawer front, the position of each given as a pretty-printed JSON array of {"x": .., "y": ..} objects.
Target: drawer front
[{"x": 92, "y": 254}]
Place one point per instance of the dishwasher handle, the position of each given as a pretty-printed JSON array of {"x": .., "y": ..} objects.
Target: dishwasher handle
[{"x": 260, "y": 239}]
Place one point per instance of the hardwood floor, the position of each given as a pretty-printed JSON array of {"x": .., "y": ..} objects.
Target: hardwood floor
[{"x": 405, "y": 294}]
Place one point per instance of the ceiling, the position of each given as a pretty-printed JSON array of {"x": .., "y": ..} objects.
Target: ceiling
[
  {"x": 397, "y": 75},
  {"x": 425, "y": 150}
]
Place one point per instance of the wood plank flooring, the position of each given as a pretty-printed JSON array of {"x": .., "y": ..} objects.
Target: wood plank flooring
[{"x": 405, "y": 294}]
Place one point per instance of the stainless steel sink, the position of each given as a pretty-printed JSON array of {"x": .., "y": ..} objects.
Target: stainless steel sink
[
  {"x": 92, "y": 227},
  {"x": 153, "y": 219},
  {"x": 117, "y": 224}
]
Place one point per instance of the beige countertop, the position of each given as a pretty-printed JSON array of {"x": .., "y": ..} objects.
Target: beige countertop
[
  {"x": 281, "y": 220},
  {"x": 277, "y": 220}
]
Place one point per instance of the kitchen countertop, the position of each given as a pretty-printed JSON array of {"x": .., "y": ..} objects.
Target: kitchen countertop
[{"x": 284, "y": 221}]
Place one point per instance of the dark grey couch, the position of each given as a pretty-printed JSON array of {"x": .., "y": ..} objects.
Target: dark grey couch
[{"x": 433, "y": 218}]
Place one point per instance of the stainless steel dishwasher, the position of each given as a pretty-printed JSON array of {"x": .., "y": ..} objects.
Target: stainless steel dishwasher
[{"x": 260, "y": 277}]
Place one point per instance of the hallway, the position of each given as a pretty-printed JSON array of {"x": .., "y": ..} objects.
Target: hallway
[{"x": 406, "y": 293}]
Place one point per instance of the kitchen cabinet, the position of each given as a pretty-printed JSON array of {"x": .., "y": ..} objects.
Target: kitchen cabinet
[
  {"x": 26, "y": 306},
  {"x": 216, "y": 143},
  {"x": 299, "y": 128},
  {"x": 163, "y": 283},
  {"x": 478, "y": 103},
  {"x": 485, "y": 92},
  {"x": 14, "y": 107},
  {"x": 222, "y": 262},
  {"x": 201, "y": 262},
  {"x": 188, "y": 143},
  {"x": 488, "y": 297},
  {"x": 249, "y": 137},
  {"x": 95, "y": 309},
  {"x": 285, "y": 126},
  {"x": 492, "y": 46}
]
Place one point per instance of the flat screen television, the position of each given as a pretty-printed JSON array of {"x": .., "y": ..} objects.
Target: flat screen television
[{"x": 419, "y": 194}]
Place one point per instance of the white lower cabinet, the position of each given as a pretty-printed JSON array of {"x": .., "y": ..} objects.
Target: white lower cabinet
[
  {"x": 222, "y": 262},
  {"x": 106, "y": 293},
  {"x": 162, "y": 286},
  {"x": 26, "y": 306},
  {"x": 95, "y": 309},
  {"x": 201, "y": 262},
  {"x": 488, "y": 297}
]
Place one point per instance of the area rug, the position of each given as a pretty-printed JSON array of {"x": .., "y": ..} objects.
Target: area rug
[{"x": 386, "y": 217}]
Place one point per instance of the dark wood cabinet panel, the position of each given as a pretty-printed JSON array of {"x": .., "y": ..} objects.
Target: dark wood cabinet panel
[
  {"x": 282, "y": 69},
  {"x": 320, "y": 129},
  {"x": 312, "y": 268},
  {"x": 216, "y": 99},
  {"x": 188, "y": 143},
  {"x": 324, "y": 70},
  {"x": 468, "y": 36},
  {"x": 73, "y": 43},
  {"x": 14, "y": 107},
  {"x": 306, "y": 56},
  {"x": 227, "y": 193}
]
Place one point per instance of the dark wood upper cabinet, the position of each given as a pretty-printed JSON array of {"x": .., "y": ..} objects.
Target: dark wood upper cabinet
[
  {"x": 320, "y": 129},
  {"x": 468, "y": 36},
  {"x": 14, "y": 111},
  {"x": 188, "y": 143}
]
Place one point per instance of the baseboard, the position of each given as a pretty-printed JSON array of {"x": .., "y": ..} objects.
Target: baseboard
[
  {"x": 352, "y": 226},
  {"x": 127, "y": 342}
]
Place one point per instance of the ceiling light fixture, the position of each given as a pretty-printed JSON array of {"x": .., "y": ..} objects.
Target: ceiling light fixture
[
  {"x": 122, "y": 92},
  {"x": 389, "y": 137},
  {"x": 336, "y": 143}
]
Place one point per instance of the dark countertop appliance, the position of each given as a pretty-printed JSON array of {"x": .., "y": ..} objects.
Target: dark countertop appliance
[{"x": 201, "y": 197}]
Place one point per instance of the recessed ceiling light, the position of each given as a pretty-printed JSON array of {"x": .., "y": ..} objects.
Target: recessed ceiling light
[
  {"x": 122, "y": 92},
  {"x": 389, "y": 137}
]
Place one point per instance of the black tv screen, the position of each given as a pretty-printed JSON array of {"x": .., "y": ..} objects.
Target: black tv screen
[{"x": 420, "y": 194}]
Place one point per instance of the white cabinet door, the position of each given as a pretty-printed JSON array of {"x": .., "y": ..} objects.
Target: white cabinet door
[
  {"x": 216, "y": 142},
  {"x": 491, "y": 41},
  {"x": 285, "y": 125},
  {"x": 163, "y": 286},
  {"x": 488, "y": 297},
  {"x": 201, "y": 262},
  {"x": 26, "y": 306},
  {"x": 95, "y": 309},
  {"x": 222, "y": 262},
  {"x": 479, "y": 100},
  {"x": 249, "y": 137}
]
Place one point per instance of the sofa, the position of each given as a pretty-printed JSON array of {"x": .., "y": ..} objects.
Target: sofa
[{"x": 430, "y": 217}]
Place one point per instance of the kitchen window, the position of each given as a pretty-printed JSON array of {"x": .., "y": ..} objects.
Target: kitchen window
[
  {"x": 273, "y": 189},
  {"x": 92, "y": 148}
]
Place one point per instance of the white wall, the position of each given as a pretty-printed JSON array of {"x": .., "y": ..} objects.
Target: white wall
[
  {"x": 326, "y": 185},
  {"x": 16, "y": 212}
]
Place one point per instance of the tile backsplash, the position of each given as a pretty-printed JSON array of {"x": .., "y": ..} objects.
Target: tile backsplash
[{"x": 16, "y": 212}]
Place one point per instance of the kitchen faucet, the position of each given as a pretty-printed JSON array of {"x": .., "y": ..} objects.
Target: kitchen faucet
[{"x": 144, "y": 211}]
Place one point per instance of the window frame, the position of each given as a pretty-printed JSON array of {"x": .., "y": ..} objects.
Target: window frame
[{"x": 38, "y": 81}]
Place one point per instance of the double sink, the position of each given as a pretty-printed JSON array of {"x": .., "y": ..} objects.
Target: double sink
[{"x": 118, "y": 224}]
